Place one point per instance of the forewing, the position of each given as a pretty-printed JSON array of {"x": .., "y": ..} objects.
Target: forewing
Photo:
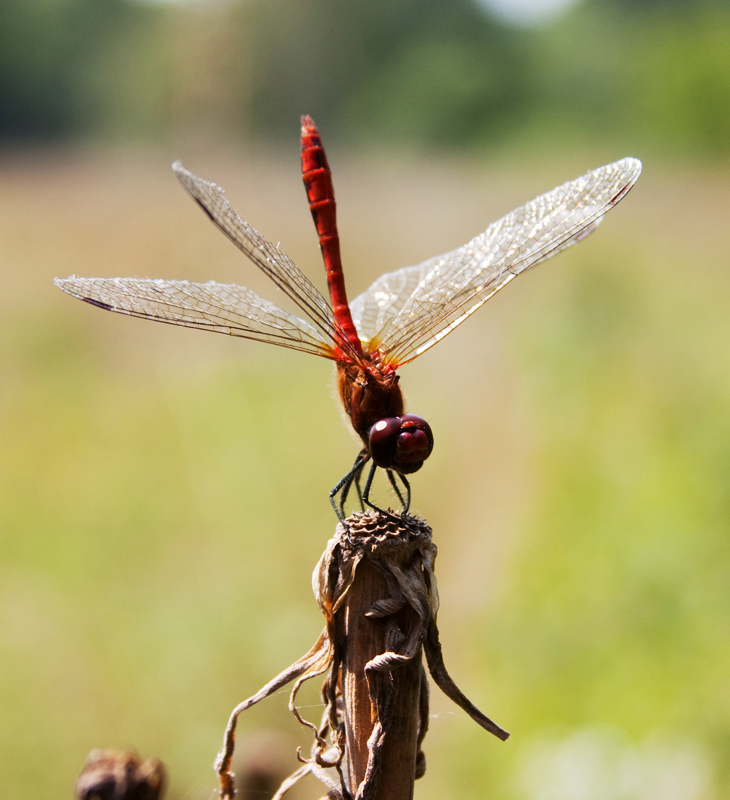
[
  {"x": 405, "y": 312},
  {"x": 265, "y": 254},
  {"x": 217, "y": 307}
]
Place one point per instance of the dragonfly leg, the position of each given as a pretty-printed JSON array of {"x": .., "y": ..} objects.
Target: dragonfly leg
[
  {"x": 366, "y": 496},
  {"x": 358, "y": 487},
  {"x": 354, "y": 479},
  {"x": 368, "y": 485},
  {"x": 345, "y": 483},
  {"x": 396, "y": 488},
  {"x": 407, "y": 485}
]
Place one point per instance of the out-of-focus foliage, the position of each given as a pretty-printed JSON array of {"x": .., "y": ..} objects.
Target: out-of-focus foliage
[
  {"x": 652, "y": 75},
  {"x": 59, "y": 63},
  {"x": 163, "y": 493},
  {"x": 418, "y": 70}
]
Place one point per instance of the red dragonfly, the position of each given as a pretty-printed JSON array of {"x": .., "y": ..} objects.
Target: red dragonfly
[{"x": 400, "y": 316}]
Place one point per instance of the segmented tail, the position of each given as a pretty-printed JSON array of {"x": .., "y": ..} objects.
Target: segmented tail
[{"x": 321, "y": 195}]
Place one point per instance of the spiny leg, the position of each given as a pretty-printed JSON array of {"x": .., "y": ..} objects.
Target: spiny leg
[
  {"x": 345, "y": 483},
  {"x": 366, "y": 496},
  {"x": 396, "y": 489},
  {"x": 358, "y": 488},
  {"x": 355, "y": 478},
  {"x": 407, "y": 504},
  {"x": 368, "y": 484}
]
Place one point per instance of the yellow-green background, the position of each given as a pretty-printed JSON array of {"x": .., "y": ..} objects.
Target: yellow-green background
[{"x": 163, "y": 494}]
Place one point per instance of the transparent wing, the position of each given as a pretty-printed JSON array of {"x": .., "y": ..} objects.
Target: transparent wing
[
  {"x": 406, "y": 312},
  {"x": 266, "y": 255},
  {"x": 222, "y": 308}
]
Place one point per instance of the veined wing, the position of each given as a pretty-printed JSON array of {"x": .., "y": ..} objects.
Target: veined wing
[
  {"x": 406, "y": 312},
  {"x": 265, "y": 254},
  {"x": 222, "y": 308}
]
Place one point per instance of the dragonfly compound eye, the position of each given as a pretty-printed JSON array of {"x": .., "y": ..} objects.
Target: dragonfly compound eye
[{"x": 401, "y": 443}]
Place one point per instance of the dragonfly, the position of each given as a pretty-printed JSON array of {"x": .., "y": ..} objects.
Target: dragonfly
[{"x": 401, "y": 316}]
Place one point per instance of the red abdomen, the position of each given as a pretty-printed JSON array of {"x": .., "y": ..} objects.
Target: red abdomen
[{"x": 321, "y": 195}]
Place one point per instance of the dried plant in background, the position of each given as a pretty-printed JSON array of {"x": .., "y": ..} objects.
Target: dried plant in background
[{"x": 119, "y": 775}]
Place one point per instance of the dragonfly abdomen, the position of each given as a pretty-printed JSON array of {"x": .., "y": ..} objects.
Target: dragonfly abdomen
[{"x": 317, "y": 178}]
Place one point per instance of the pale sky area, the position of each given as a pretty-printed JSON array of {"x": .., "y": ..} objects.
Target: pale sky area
[{"x": 526, "y": 12}]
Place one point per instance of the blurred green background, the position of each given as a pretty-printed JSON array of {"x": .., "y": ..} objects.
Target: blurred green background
[{"x": 163, "y": 494}]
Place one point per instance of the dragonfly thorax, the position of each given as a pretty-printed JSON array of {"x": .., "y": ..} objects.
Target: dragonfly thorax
[
  {"x": 374, "y": 403},
  {"x": 368, "y": 395}
]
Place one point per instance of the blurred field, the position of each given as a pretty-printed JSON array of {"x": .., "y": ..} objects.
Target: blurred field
[{"x": 163, "y": 495}]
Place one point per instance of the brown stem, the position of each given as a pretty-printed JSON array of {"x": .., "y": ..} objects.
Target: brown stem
[{"x": 381, "y": 696}]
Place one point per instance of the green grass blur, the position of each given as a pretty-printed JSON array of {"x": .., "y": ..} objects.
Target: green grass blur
[{"x": 163, "y": 493}]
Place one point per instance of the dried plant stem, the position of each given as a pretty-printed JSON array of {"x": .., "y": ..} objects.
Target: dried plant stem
[
  {"x": 376, "y": 588},
  {"x": 382, "y": 714}
]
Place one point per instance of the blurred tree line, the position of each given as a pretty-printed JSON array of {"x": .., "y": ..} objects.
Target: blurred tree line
[{"x": 655, "y": 73}]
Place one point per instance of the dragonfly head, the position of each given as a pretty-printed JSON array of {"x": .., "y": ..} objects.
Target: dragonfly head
[{"x": 400, "y": 443}]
